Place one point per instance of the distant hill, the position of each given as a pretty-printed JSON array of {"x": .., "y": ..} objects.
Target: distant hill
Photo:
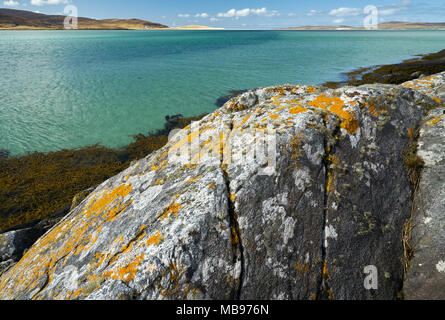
[
  {"x": 319, "y": 28},
  {"x": 195, "y": 27},
  {"x": 393, "y": 25},
  {"x": 27, "y": 20}
]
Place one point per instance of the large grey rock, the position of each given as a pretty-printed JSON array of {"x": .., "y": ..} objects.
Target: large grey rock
[
  {"x": 13, "y": 244},
  {"x": 307, "y": 223},
  {"x": 426, "y": 277}
]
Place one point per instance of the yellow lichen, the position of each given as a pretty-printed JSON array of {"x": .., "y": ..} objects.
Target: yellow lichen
[
  {"x": 126, "y": 273},
  {"x": 155, "y": 239},
  {"x": 337, "y": 106},
  {"x": 171, "y": 210},
  {"x": 434, "y": 121},
  {"x": 297, "y": 109}
]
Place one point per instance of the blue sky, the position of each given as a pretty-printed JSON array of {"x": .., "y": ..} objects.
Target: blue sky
[{"x": 244, "y": 14}]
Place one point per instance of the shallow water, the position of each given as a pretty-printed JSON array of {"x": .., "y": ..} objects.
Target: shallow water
[{"x": 63, "y": 89}]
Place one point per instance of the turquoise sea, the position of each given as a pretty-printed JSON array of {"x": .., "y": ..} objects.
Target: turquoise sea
[{"x": 64, "y": 89}]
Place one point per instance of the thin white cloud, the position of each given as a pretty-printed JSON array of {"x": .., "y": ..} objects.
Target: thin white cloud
[
  {"x": 233, "y": 13},
  {"x": 314, "y": 12},
  {"x": 202, "y": 15},
  {"x": 346, "y": 12},
  {"x": 392, "y": 9},
  {"x": 384, "y": 10},
  {"x": 183, "y": 15},
  {"x": 337, "y": 21},
  {"x": 11, "y": 3},
  {"x": 46, "y": 2}
]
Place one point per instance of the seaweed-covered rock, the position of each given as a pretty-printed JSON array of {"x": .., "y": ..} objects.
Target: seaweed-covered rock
[
  {"x": 288, "y": 192},
  {"x": 4, "y": 153}
]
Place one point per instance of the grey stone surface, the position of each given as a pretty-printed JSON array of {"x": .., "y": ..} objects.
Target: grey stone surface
[
  {"x": 426, "y": 277},
  {"x": 304, "y": 224}
]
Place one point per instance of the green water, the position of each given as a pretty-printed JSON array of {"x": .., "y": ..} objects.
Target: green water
[{"x": 62, "y": 89}]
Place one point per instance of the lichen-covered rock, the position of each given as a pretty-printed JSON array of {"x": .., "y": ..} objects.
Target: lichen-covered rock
[
  {"x": 433, "y": 86},
  {"x": 426, "y": 276},
  {"x": 288, "y": 192}
]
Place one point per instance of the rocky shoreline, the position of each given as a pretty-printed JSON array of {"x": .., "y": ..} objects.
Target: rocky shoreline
[
  {"x": 355, "y": 185},
  {"x": 422, "y": 66}
]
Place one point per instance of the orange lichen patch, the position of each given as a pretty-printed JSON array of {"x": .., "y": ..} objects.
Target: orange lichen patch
[
  {"x": 330, "y": 295},
  {"x": 436, "y": 99},
  {"x": 373, "y": 111},
  {"x": 274, "y": 117},
  {"x": 434, "y": 121},
  {"x": 98, "y": 206},
  {"x": 160, "y": 161},
  {"x": 330, "y": 184},
  {"x": 325, "y": 268},
  {"x": 232, "y": 197},
  {"x": 155, "y": 239},
  {"x": 183, "y": 143},
  {"x": 296, "y": 144},
  {"x": 310, "y": 89},
  {"x": 171, "y": 210},
  {"x": 411, "y": 134},
  {"x": 126, "y": 273},
  {"x": 193, "y": 180},
  {"x": 212, "y": 185},
  {"x": 275, "y": 100},
  {"x": 302, "y": 267},
  {"x": 215, "y": 148},
  {"x": 245, "y": 120},
  {"x": 336, "y": 105},
  {"x": 159, "y": 182},
  {"x": 175, "y": 275},
  {"x": 279, "y": 90},
  {"x": 113, "y": 213},
  {"x": 411, "y": 85},
  {"x": 130, "y": 173},
  {"x": 280, "y": 108},
  {"x": 333, "y": 159},
  {"x": 297, "y": 110},
  {"x": 235, "y": 239},
  {"x": 91, "y": 242}
]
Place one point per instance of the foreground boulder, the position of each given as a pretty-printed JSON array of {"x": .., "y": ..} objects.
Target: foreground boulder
[
  {"x": 287, "y": 192},
  {"x": 426, "y": 276}
]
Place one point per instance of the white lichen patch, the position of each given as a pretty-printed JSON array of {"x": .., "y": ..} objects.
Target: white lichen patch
[
  {"x": 302, "y": 178},
  {"x": 440, "y": 266},
  {"x": 329, "y": 233},
  {"x": 427, "y": 220}
]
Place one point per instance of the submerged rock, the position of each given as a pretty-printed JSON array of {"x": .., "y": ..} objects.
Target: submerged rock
[
  {"x": 13, "y": 244},
  {"x": 288, "y": 192},
  {"x": 4, "y": 153}
]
